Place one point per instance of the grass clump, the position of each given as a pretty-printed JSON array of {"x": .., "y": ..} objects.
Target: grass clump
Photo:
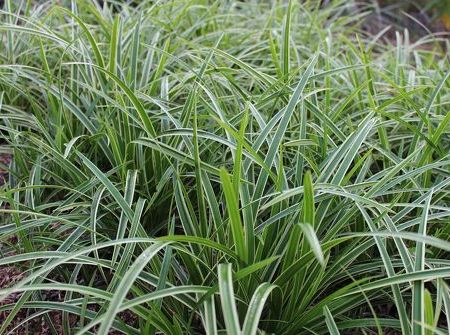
[{"x": 223, "y": 168}]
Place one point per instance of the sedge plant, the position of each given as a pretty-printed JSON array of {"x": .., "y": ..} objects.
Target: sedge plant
[{"x": 222, "y": 167}]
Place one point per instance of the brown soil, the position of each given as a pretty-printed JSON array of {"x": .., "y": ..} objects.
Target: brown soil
[
  {"x": 9, "y": 275},
  {"x": 5, "y": 159}
]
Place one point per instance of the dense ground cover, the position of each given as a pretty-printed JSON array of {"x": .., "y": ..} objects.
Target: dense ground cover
[{"x": 222, "y": 167}]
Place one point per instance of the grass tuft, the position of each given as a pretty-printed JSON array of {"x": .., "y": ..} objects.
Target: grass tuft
[{"x": 192, "y": 167}]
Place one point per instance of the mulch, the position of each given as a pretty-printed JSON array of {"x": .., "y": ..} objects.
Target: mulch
[{"x": 5, "y": 159}]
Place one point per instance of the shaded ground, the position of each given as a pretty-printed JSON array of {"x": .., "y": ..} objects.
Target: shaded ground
[
  {"x": 38, "y": 325},
  {"x": 400, "y": 16},
  {"x": 5, "y": 159}
]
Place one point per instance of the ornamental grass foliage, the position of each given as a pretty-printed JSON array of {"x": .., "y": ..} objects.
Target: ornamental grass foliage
[{"x": 223, "y": 167}]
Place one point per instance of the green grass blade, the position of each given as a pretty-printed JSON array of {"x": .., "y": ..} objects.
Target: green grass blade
[
  {"x": 237, "y": 228},
  {"x": 227, "y": 300},
  {"x": 125, "y": 285},
  {"x": 255, "y": 308},
  {"x": 331, "y": 325}
]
